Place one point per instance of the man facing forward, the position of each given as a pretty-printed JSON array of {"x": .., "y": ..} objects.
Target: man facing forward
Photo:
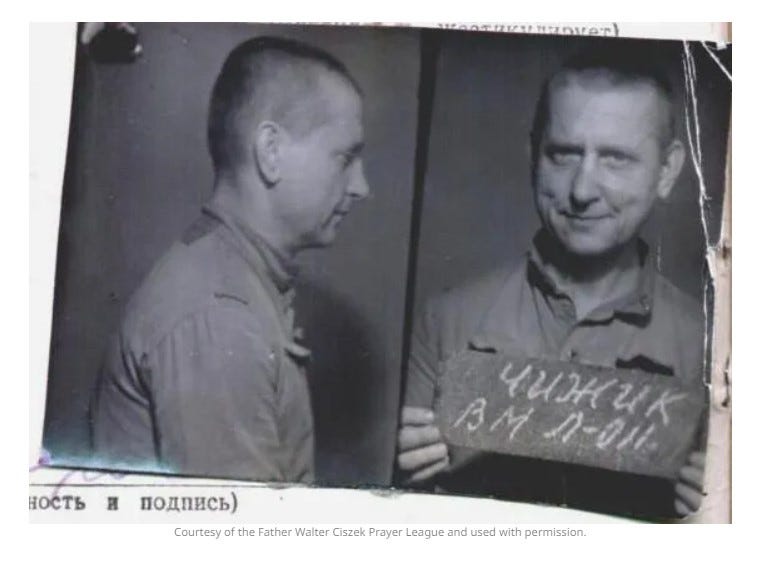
[
  {"x": 205, "y": 375},
  {"x": 603, "y": 153}
]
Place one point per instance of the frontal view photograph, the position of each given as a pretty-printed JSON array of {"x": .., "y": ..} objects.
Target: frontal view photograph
[{"x": 562, "y": 300}]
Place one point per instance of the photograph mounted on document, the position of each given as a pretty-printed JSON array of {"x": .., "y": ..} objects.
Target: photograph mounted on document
[
  {"x": 563, "y": 306},
  {"x": 436, "y": 260}
]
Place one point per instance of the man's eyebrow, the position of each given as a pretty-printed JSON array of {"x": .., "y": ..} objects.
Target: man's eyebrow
[
  {"x": 626, "y": 151},
  {"x": 553, "y": 146}
]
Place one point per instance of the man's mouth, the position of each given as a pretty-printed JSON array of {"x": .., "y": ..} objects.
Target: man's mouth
[{"x": 583, "y": 217}]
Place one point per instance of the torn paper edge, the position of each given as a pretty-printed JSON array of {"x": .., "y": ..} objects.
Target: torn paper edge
[{"x": 716, "y": 506}]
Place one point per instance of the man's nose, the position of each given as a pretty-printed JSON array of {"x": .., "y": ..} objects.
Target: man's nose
[
  {"x": 358, "y": 187},
  {"x": 584, "y": 186}
]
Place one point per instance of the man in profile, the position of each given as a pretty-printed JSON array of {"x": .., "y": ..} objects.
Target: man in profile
[
  {"x": 603, "y": 152},
  {"x": 205, "y": 375}
]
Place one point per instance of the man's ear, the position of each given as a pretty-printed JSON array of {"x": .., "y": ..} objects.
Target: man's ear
[
  {"x": 267, "y": 149},
  {"x": 673, "y": 160}
]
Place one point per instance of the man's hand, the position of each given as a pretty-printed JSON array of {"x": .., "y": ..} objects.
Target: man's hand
[
  {"x": 421, "y": 451},
  {"x": 689, "y": 486}
]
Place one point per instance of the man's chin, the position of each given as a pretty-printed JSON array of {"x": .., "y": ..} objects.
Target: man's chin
[
  {"x": 587, "y": 247},
  {"x": 322, "y": 240}
]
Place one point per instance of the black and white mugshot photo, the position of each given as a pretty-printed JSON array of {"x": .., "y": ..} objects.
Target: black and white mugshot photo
[
  {"x": 233, "y": 253},
  {"x": 438, "y": 261},
  {"x": 558, "y": 347}
]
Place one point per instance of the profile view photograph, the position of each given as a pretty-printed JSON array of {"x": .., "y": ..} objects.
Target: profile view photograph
[
  {"x": 249, "y": 332},
  {"x": 285, "y": 132}
]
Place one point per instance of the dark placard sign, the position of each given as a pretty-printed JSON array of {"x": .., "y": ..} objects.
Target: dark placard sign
[{"x": 614, "y": 419}]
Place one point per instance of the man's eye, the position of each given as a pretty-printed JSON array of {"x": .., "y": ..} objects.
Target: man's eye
[
  {"x": 563, "y": 157},
  {"x": 346, "y": 159},
  {"x": 615, "y": 160}
]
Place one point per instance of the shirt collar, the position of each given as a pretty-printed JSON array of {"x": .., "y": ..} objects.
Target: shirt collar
[
  {"x": 281, "y": 269},
  {"x": 635, "y": 307}
]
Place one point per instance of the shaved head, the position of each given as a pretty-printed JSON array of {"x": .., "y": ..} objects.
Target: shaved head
[{"x": 270, "y": 79}]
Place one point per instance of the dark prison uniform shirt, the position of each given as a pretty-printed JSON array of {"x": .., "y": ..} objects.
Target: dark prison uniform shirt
[
  {"x": 205, "y": 375},
  {"x": 524, "y": 313}
]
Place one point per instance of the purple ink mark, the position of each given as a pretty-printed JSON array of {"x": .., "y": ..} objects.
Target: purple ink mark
[{"x": 45, "y": 460}]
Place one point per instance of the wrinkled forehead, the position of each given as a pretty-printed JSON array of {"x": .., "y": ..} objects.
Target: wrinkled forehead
[
  {"x": 609, "y": 101},
  {"x": 604, "y": 79}
]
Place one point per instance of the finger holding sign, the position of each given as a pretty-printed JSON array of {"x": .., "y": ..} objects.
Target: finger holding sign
[
  {"x": 697, "y": 459},
  {"x": 411, "y": 437},
  {"x": 414, "y": 460},
  {"x": 430, "y": 471},
  {"x": 416, "y": 416},
  {"x": 421, "y": 451},
  {"x": 688, "y": 500},
  {"x": 688, "y": 489}
]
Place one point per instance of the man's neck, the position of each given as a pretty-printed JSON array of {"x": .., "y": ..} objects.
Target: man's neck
[
  {"x": 591, "y": 282},
  {"x": 249, "y": 202}
]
